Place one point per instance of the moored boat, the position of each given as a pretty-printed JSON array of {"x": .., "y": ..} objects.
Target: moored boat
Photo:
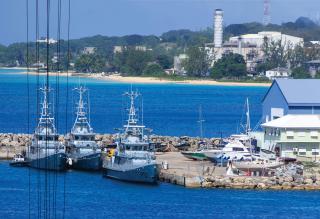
[
  {"x": 82, "y": 150},
  {"x": 257, "y": 165},
  {"x": 18, "y": 161},
  {"x": 133, "y": 160},
  {"x": 45, "y": 151},
  {"x": 232, "y": 151}
]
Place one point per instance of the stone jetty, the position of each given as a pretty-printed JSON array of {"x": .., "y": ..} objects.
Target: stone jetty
[
  {"x": 186, "y": 172},
  {"x": 11, "y": 144}
]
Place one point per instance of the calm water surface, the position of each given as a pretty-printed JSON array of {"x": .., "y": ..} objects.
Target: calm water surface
[
  {"x": 168, "y": 109},
  {"x": 91, "y": 196}
]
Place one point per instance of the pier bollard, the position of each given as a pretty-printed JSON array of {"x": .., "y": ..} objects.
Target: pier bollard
[{"x": 165, "y": 165}]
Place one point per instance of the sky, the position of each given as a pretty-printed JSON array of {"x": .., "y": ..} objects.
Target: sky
[{"x": 124, "y": 17}]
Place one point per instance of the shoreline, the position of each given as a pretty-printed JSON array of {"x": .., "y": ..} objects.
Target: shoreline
[{"x": 148, "y": 80}]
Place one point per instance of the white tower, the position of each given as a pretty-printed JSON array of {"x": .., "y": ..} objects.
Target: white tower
[{"x": 218, "y": 28}]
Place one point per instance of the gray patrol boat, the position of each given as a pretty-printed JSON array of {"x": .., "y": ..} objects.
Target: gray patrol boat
[
  {"x": 82, "y": 150},
  {"x": 45, "y": 151},
  {"x": 133, "y": 160}
]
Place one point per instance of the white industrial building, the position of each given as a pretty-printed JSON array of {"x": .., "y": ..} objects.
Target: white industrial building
[
  {"x": 258, "y": 39},
  {"x": 248, "y": 45}
]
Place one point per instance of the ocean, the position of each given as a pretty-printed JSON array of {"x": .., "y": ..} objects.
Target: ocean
[{"x": 168, "y": 110}]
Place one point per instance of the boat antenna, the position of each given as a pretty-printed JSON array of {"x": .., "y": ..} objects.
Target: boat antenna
[{"x": 201, "y": 121}]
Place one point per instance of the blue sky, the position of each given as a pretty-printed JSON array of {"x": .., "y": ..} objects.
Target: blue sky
[{"x": 122, "y": 17}]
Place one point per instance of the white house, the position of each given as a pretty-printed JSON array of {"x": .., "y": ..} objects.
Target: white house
[
  {"x": 278, "y": 73},
  {"x": 294, "y": 136}
]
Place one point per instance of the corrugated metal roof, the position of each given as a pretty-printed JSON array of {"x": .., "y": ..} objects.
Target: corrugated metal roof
[
  {"x": 300, "y": 92},
  {"x": 295, "y": 121}
]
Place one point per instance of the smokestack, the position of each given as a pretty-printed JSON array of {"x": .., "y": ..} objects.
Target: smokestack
[{"x": 218, "y": 28}]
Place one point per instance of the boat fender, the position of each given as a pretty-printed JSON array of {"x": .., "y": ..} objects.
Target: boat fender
[{"x": 69, "y": 161}]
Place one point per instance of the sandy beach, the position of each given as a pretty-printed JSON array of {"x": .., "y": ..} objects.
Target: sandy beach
[
  {"x": 150, "y": 80},
  {"x": 153, "y": 80}
]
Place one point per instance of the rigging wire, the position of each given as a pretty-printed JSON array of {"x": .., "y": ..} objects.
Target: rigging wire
[
  {"x": 67, "y": 98},
  {"x": 47, "y": 181},
  {"x": 58, "y": 53},
  {"x": 39, "y": 198},
  {"x": 28, "y": 107}
]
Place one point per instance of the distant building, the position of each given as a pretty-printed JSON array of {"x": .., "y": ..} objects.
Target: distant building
[
  {"x": 178, "y": 64},
  {"x": 315, "y": 43},
  {"x": 45, "y": 40},
  {"x": 248, "y": 45},
  {"x": 294, "y": 136},
  {"x": 269, "y": 36},
  {"x": 314, "y": 67},
  {"x": 291, "y": 96},
  {"x": 39, "y": 65},
  {"x": 278, "y": 73},
  {"x": 89, "y": 50},
  {"x": 120, "y": 49}
]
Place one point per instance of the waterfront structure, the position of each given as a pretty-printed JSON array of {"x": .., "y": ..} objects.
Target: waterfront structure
[
  {"x": 278, "y": 73},
  {"x": 291, "y": 96},
  {"x": 218, "y": 28},
  {"x": 82, "y": 150},
  {"x": 294, "y": 136},
  {"x": 134, "y": 158},
  {"x": 45, "y": 150}
]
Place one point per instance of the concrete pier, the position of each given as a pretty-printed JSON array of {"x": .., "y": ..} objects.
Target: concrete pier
[
  {"x": 203, "y": 174},
  {"x": 186, "y": 172}
]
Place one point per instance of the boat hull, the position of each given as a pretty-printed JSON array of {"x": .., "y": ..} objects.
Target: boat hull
[
  {"x": 194, "y": 155},
  {"x": 142, "y": 174},
  {"x": 251, "y": 166},
  {"x": 87, "y": 162},
  {"x": 51, "y": 162}
]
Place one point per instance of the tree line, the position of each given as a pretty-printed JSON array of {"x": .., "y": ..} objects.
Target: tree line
[{"x": 162, "y": 49}]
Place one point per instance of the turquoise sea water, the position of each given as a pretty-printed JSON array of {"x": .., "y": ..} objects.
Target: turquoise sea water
[
  {"x": 168, "y": 109},
  {"x": 91, "y": 196}
]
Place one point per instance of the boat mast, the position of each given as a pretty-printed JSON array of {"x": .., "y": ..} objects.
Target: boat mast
[
  {"x": 248, "y": 125},
  {"x": 45, "y": 119},
  {"x": 132, "y": 117},
  {"x": 201, "y": 120},
  {"x": 81, "y": 118}
]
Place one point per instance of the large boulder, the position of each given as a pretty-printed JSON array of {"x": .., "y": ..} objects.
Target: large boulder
[{"x": 193, "y": 182}]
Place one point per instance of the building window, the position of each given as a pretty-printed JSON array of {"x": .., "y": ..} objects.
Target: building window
[
  {"x": 315, "y": 152},
  {"x": 302, "y": 152},
  {"x": 314, "y": 134},
  {"x": 301, "y": 134}
]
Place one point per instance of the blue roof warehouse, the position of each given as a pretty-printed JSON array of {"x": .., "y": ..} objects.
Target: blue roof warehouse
[{"x": 291, "y": 96}]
